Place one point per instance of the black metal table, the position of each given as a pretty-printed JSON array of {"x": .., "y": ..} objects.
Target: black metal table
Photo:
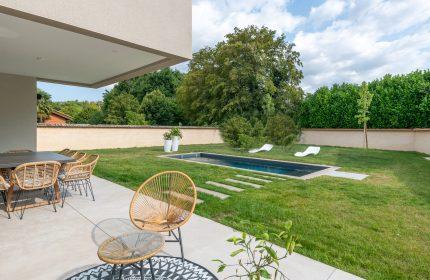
[{"x": 13, "y": 160}]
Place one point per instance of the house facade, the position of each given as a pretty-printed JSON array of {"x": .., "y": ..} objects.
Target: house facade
[{"x": 83, "y": 43}]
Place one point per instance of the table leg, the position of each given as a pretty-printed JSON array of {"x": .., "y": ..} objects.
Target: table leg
[
  {"x": 57, "y": 192},
  {"x": 113, "y": 272},
  {"x": 151, "y": 268},
  {"x": 9, "y": 196}
]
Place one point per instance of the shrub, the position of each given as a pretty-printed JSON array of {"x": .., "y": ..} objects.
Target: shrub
[
  {"x": 281, "y": 130},
  {"x": 240, "y": 133}
]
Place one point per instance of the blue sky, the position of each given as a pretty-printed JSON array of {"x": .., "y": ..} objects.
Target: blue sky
[{"x": 339, "y": 40}]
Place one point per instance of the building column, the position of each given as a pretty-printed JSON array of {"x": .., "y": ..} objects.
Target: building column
[{"x": 18, "y": 101}]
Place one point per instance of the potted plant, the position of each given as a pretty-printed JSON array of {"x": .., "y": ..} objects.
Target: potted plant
[
  {"x": 176, "y": 135},
  {"x": 167, "y": 142},
  {"x": 257, "y": 258}
]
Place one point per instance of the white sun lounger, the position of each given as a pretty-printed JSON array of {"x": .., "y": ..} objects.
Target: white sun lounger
[
  {"x": 265, "y": 148},
  {"x": 311, "y": 150}
]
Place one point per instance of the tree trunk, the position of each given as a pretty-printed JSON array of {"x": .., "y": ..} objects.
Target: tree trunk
[{"x": 365, "y": 136}]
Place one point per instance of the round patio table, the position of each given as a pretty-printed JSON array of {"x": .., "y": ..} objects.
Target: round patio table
[{"x": 131, "y": 249}]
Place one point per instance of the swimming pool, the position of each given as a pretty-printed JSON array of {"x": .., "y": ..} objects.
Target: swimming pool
[{"x": 274, "y": 167}]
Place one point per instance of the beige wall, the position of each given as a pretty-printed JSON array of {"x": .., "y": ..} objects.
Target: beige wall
[
  {"x": 163, "y": 25},
  {"x": 386, "y": 139},
  {"x": 17, "y": 112},
  {"x": 108, "y": 137}
]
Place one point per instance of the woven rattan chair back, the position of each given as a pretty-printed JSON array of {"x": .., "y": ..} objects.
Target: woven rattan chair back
[
  {"x": 164, "y": 202},
  {"x": 35, "y": 175},
  {"x": 64, "y": 152},
  {"x": 3, "y": 184},
  {"x": 79, "y": 156},
  {"x": 70, "y": 153},
  {"x": 82, "y": 170}
]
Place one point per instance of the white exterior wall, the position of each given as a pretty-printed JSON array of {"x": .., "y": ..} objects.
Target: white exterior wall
[{"x": 17, "y": 112}]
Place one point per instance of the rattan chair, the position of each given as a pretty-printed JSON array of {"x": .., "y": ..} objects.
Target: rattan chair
[
  {"x": 78, "y": 157},
  {"x": 30, "y": 177},
  {"x": 79, "y": 175},
  {"x": 164, "y": 203},
  {"x": 64, "y": 151},
  {"x": 5, "y": 172},
  {"x": 4, "y": 186}
]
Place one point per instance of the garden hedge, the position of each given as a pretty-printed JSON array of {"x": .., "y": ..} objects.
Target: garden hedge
[{"x": 400, "y": 101}]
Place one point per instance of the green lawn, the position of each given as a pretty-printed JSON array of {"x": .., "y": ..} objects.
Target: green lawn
[{"x": 378, "y": 228}]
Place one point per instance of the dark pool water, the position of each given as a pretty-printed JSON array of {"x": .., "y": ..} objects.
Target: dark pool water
[{"x": 255, "y": 164}]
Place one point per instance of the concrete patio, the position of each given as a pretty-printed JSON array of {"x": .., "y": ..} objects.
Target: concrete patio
[{"x": 47, "y": 245}]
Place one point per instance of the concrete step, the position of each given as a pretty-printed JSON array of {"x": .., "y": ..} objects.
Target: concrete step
[
  {"x": 253, "y": 178},
  {"x": 213, "y": 193},
  {"x": 186, "y": 197},
  {"x": 225, "y": 186},
  {"x": 269, "y": 177},
  {"x": 244, "y": 183}
]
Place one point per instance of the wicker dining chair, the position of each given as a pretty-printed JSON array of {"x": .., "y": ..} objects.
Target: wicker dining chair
[
  {"x": 64, "y": 151},
  {"x": 4, "y": 186},
  {"x": 78, "y": 157},
  {"x": 164, "y": 203},
  {"x": 79, "y": 175},
  {"x": 33, "y": 176},
  {"x": 5, "y": 172}
]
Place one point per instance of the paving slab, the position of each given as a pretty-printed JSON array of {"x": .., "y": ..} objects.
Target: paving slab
[
  {"x": 257, "y": 186},
  {"x": 347, "y": 175},
  {"x": 213, "y": 193},
  {"x": 53, "y": 246},
  {"x": 253, "y": 178},
  {"x": 225, "y": 186}
]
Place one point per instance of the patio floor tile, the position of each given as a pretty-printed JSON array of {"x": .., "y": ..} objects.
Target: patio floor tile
[{"x": 47, "y": 245}]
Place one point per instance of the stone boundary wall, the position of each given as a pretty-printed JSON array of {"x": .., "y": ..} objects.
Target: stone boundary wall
[
  {"x": 417, "y": 139},
  {"x": 88, "y": 137}
]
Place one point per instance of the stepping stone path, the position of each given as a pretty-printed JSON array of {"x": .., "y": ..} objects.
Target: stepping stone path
[
  {"x": 244, "y": 183},
  {"x": 253, "y": 178},
  {"x": 221, "y": 185},
  {"x": 213, "y": 193}
]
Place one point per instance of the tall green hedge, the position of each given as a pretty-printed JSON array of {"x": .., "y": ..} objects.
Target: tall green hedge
[{"x": 400, "y": 101}]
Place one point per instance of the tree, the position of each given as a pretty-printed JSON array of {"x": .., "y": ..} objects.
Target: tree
[
  {"x": 90, "y": 113},
  {"x": 160, "y": 109},
  {"x": 363, "y": 102},
  {"x": 44, "y": 105},
  {"x": 122, "y": 109},
  {"x": 165, "y": 80},
  {"x": 253, "y": 74}
]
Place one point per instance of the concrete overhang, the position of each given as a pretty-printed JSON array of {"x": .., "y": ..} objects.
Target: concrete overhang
[{"x": 92, "y": 43}]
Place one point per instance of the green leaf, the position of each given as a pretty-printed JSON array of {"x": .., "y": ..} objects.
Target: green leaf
[
  {"x": 221, "y": 268},
  {"x": 264, "y": 273},
  {"x": 288, "y": 225},
  {"x": 235, "y": 253}
]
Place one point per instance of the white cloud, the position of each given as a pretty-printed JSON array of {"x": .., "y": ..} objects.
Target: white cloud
[
  {"x": 373, "y": 38},
  {"x": 214, "y": 19},
  {"x": 339, "y": 40}
]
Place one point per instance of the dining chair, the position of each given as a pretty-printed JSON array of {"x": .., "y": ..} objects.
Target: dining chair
[
  {"x": 5, "y": 172},
  {"x": 34, "y": 176},
  {"x": 163, "y": 203},
  {"x": 79, "y": 175},
  {"x": 4, "y": 186},
  {"x": 64, "y": 151}
]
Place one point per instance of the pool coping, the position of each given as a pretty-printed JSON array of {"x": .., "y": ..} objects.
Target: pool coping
[{"x": 325, "y": 171}]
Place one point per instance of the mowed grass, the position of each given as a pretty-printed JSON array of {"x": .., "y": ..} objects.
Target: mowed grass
[{"x": 378, "y": 228}]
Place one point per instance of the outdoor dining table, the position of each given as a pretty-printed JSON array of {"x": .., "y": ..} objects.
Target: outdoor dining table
[{"x": 12, "y": 160}]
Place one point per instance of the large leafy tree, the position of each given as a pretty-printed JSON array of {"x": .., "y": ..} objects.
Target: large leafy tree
[
  {"x": 160, "y": 109},
  {"x": 44, "y": 105},
  {"x": 122, "y": 109},
  {"x": 253, "y": 73},
  {"x": 165, "y": 80}
]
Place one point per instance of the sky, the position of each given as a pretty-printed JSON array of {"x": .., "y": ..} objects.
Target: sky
[{"x": 339, "y": 40}]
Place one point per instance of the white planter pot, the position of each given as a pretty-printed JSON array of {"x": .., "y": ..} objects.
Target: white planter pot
[
  {"x": 175, "y": 143},
  {"x": 167, "y": 146}
]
